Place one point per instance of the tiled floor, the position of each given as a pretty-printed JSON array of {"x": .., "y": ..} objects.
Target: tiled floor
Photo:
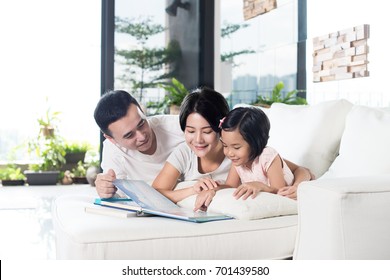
[{"x": 26, "y": 228}]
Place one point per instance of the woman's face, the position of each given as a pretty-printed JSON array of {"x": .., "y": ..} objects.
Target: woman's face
[{"x": 199, "y": 135}]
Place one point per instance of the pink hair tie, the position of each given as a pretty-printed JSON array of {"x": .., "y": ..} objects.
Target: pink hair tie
[{"x": 221, "y": 122}]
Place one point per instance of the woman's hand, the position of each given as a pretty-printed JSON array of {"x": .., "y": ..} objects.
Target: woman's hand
[
  {"x": 289, "y": 191},
  {"x": 301, "y": 174},
  {"x": 204, "y": 199},
  {"x": 204, "y": 184}
]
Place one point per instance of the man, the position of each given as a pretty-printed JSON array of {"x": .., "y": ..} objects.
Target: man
[{"x": 135, "y": 147}]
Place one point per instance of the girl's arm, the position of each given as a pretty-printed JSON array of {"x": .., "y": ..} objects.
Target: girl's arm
[
  {"x": 165, "y": 183},
  {"x": 275, "y": 178}
]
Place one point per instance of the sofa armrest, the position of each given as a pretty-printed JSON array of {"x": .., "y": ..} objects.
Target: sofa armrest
[{"x": 344, "y": 218}]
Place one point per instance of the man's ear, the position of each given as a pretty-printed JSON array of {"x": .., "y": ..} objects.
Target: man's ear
[{"x": 108, "y": 137}]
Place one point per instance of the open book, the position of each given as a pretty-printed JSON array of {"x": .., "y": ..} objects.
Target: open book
[{"x": 146, "y": 200}]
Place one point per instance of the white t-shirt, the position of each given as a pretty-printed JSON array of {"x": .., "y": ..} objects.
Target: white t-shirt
[
  {"x": 134, "y": 165},
  {"x": 186, "y": 162}
]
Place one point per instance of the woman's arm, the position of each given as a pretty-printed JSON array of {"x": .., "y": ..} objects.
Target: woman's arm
[
  {"x": 205, "y": 197},
  {"x": 300, "y": 174},
  {"x": 166, "y": 181}
]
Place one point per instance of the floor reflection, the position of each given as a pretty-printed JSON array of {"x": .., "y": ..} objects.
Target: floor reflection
[{"x": 26, "y": 226}]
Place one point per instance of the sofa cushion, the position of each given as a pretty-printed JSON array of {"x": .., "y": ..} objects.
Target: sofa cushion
[
  {"x": 264, "y": 205},
  {"x": 308, "y": 135},
  {"x": 364, "y": 148}
]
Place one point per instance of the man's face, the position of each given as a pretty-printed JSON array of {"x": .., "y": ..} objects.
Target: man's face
[{"x": 133, "y": 132}]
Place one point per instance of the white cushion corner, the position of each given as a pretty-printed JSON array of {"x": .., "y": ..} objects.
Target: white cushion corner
[
  {"x": 265, "y": 205},
  {"x": 364, "y": 147},
  {"x": 309, "y": 135}
]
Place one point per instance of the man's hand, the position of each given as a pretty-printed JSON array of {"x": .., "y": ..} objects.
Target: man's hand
[{"x": 104, "y": 186}]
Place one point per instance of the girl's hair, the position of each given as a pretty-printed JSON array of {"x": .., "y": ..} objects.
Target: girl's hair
[
  {"x": 254, "y": 126},
  {"x": 112, "y": 106},
  {"x": 210, "y": 104}
]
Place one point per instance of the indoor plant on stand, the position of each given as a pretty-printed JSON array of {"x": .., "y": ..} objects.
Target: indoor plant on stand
[{"x": 49, "y": 150}]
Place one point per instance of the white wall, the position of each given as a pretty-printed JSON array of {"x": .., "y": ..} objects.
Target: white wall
[{"x": 332, "y": 15}]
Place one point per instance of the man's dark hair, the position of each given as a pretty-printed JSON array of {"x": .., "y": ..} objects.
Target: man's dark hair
[
  {"x": 112, "y": 106},
  {"x": 210, "y": 104},
  {"x": 254, "y": 126}
]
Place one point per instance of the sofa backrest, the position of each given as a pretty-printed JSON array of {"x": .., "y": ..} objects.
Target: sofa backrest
[
  {"x": 365, "y": 144},
  {"x": 308, "y": 135}
]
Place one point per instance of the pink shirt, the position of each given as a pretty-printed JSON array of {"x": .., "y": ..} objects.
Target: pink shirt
[{"x": 260, "y": 166}]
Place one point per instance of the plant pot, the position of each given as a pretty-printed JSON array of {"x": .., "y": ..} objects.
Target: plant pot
[
  {"x": 74, "y": 158},
  {"x": 13, "y": 182},
  {"x": 80, "y": 180},
  {"x": 47, "y": 131},
  {"x": 174, "y": 110},
  {"x": 42, "y": 177}
]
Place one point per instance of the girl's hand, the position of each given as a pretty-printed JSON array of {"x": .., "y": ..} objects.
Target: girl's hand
[
  {"x": 249, "y": 189},
  {"x": 204, "y": 199},
  {"x": 205, "y": 184}
]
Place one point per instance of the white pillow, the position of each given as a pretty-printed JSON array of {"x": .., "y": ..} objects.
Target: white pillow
[
  {"x": 265, "y": 205},
  {"x": 365, "y": 144},
  {"x": 308, "y": 135}
]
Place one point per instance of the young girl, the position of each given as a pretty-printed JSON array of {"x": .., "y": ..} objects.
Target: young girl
[
  {"x": 255, "y": 166},
  {"x": 201, "y": 157}
]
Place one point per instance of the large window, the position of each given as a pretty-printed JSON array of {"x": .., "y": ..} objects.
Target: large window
[
  {"x": 140, "y": 37},
  {"x": 49, "y": 57},
  {"x": 270, "y": 41},
  {"x": 156, "y": 41}
]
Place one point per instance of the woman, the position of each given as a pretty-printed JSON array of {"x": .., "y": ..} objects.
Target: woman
[{"x": 201, "y": 157}]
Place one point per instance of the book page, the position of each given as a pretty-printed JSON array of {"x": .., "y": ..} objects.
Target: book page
[{"x": 145, "y": 195}]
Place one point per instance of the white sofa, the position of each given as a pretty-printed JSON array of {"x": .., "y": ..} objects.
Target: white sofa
[{"x": 342, "y": 215}]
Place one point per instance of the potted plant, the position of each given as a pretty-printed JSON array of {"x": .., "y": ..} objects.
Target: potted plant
[
  {"x": 74, "y": 152},
  {"x": 276, "y": 97},
  {"x": 11, "y": 175},
  {"x": 48, "y": 122},
  {"x": 78, "y": 173},
  {"x": 176, "y": 93},
  {"x": 52, "y": 157},
  {"x": 49, "y": 149}
]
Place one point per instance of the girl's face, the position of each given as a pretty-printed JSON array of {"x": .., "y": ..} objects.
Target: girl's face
[
  {"x": 199, "y": 135},
  {"x": 235, "y": 147}
]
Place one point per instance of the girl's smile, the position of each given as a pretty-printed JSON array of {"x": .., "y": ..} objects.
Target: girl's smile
[{"x": 235, "y": 147}]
